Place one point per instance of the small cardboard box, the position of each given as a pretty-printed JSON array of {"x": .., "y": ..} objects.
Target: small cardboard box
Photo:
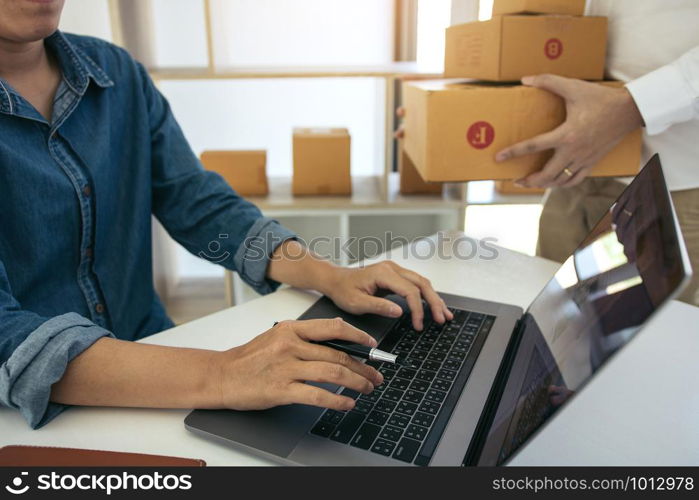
[
  {"x": 410, "y": 180},
  {"x": 245, "y": 171},
  {"x": 565, "y": 7},
  {"x": 509, "y": 187},
  {"x": 454, "y": 129},
  {"x": 506, "y": 48},
  {"x": 321, "y": 161}
]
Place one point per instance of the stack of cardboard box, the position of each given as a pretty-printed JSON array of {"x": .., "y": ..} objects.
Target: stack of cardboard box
[
  {"x": 515, "y": 43},
  {"x": 454, "y": 128}
]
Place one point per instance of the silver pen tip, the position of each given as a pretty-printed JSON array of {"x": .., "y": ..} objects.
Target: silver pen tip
[{"x": 379, "y": 355}]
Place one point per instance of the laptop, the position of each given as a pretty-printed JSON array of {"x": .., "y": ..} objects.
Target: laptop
[{"x": 475, "y": 390}]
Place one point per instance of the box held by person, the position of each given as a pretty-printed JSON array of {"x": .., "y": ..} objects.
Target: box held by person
[
  {"x": 453, "y": 131},
  {"x": 565, "y": 7},
  {"x": 507, "y": 48}
]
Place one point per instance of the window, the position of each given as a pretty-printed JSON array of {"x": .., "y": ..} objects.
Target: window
[
  {"x": 434, "y": 16},
  {"x": 485, "y": 10}
]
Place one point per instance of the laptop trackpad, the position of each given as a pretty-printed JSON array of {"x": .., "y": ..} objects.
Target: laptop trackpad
[
  {"x": 374, "y": 325},
  {"x": 276, "y": 431}
]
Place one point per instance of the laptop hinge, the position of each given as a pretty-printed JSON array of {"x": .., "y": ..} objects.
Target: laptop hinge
[{"x": 486, "y": 420}]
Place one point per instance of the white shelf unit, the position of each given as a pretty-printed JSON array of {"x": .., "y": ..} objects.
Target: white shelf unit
[
  {"x": 375, "y": 207},
  {"x": 484, "y": 193}
]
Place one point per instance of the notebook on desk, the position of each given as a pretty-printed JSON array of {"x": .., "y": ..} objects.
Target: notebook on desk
[{"x": 48, "y": 456}]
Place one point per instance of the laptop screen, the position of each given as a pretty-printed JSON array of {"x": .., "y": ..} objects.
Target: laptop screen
[{"x": 623, "y": 271}]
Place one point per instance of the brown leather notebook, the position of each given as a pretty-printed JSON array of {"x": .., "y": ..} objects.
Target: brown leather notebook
[{"x": 47, "y": 456}]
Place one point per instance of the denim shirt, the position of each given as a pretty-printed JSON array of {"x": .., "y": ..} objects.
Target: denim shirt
[{"x": 76, "y": 200}]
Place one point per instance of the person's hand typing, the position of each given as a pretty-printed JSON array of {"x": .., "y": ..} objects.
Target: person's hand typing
[{"x": 354, "y": 289}]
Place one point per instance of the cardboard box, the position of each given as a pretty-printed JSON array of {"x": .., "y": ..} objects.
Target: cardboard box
[
  {"x": 245, "y": 171},
  {"x": 564, "y": 7},
  {"x": 410, "y": 180},
  {"x": 453, "y": 131},
  {"x": 321, "y": 162},
  {"x": 509, "y": 187},
  {"x": 506, "y": 48}
]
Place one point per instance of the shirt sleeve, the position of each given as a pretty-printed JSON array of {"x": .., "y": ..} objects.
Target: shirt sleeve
[
  {"x": 34, "y": 354},
  {"x": 199, "y": 209},
  {"x": 670, "y": 94}
]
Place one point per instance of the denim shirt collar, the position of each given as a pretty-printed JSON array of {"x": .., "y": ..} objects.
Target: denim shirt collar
[{"x": 77, "y": 69}]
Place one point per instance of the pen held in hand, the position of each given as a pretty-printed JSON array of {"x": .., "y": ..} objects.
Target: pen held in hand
[{"x": 360, "y": 351}]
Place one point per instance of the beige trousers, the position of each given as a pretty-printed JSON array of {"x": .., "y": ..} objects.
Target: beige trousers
[{"x": 570, "y": 214}]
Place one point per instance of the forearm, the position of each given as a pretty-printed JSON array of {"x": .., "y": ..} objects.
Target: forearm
[
  {"x": 265, "y": 372},
  {"x": 670, "y": 94},
  {"x": 119, "y": 373},
  {"x": 295, "y": 265}
]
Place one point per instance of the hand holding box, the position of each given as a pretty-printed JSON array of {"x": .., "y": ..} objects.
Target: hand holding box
[{"x": 454, "y": 130}]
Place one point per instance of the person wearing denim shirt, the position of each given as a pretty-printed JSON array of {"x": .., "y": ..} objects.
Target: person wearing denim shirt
[{"x": 79, "y": 184}]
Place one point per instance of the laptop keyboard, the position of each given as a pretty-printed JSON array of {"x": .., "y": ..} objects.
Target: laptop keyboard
[{"x": 405, "y": 416}]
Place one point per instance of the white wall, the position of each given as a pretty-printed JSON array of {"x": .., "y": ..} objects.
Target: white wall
[
  {"x": 87, "y": 17},
  {"x": 261, "y": 114},
  {"x": 302, "y": 32},
  {"x": 433, "y": 17},
  {"x": 179, "y": 33},
  {"x": 485, "y": 10}
]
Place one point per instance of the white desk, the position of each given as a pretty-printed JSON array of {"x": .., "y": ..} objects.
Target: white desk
[{"x": 643, "y": 409}]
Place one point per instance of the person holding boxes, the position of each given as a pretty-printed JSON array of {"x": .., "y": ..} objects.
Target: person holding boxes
[
  {"x": 654, "y": 47},
  {"x": 454, "y": 128},
  {"x": 588, "y": 131}
]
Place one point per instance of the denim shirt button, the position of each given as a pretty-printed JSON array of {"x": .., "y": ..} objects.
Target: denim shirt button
[
  {"x": 87, "y": 190},
  {"x": 88, "y": 252},
  {"x": 99, "y": 309}
]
